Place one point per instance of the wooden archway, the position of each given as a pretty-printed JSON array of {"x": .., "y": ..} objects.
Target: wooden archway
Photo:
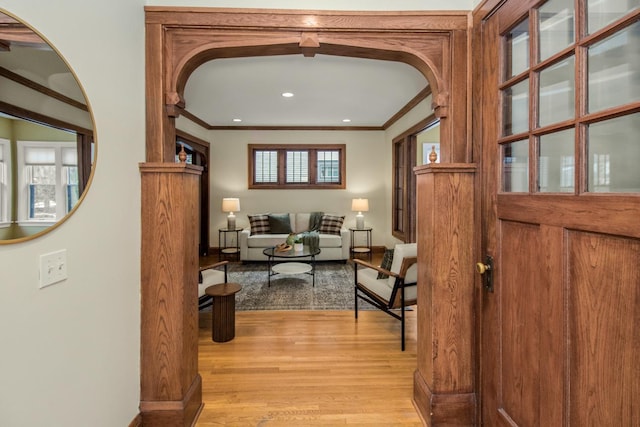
[{"x": 178, "y": 41}]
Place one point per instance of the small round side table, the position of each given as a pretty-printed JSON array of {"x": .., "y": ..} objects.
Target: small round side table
[{"x": 223, "y": 323}]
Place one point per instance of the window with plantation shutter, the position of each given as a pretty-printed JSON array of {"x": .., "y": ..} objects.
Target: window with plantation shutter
[
  {"x": 266, "y": 166},
  {"x": 310, "y": 166},
  {"x": 297, "y": 167}
]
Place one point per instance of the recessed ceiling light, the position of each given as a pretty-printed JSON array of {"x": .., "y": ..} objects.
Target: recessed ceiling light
[
  {"x": 287, "y": 94},
  {"x": 346, "y": 120},
  {"x": 237, "y": 120}
]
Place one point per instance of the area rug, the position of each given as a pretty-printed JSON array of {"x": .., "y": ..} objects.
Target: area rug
[{"x": 333, "y": 288}]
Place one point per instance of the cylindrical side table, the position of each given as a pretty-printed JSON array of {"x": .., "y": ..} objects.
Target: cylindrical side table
[{"x": 223, "y": 323}]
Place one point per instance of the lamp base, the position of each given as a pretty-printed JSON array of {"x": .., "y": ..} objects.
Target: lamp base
[
  {"x": 231, "y": 222},
  {"x": 359, "y": 221}
]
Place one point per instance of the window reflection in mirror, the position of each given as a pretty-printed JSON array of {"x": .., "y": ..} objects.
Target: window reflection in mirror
[{"x": 46, "y": 135}]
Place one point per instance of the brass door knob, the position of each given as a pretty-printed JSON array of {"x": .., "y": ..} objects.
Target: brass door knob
[
  {"x": 482, "y": 267},
  {"x": 486, "y": 270}
]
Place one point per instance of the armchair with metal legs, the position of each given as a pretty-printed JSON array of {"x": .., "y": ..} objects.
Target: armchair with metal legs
[
  {"x": 210, "y": 274},
  {"x": 389, "y": 290}
]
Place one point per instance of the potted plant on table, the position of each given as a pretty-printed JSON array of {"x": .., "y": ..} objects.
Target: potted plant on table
[{"x": 296, "y": 241}]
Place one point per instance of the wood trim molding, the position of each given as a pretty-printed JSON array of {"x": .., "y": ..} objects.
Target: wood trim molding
[
  {"x": 178, "y": 40},
  {"x": 42, "y": 89},
  {"x": 136, "y": 422},
  {"x": 181, "y": 39},
  {"x": 41, "y": 118}
]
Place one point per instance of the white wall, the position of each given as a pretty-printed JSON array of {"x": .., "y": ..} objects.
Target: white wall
[
  {"x": 367, "y": 176},
  {"x": 70, "y": 352}
]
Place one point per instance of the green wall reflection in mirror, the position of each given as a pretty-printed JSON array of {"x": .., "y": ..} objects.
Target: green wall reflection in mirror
[{"x": 47, "y": 142}]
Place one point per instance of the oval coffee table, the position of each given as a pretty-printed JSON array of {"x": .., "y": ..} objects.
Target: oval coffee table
[{"x": 291, "y": 267}]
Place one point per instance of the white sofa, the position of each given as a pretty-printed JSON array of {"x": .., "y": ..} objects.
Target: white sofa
[{"x": 332, "y": 246}]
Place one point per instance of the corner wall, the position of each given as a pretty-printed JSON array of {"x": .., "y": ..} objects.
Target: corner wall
[
  {"x": 367, "y": 176},
  {"x": 71, "y": 351}
]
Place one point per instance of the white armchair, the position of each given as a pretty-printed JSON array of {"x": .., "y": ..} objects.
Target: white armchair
[
  {"x": 210, "y": 274},
  {"x": 389, "y": 290}
]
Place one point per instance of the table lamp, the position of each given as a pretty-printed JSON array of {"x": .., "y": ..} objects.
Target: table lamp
[
  {"x": 231, "y": 205},
  {"x": 360, "y": 205}
]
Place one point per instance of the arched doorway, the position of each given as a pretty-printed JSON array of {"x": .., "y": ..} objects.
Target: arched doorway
[{"x": 178, "y": 41}]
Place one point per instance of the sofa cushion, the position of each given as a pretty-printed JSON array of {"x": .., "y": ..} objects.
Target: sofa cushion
[
  {"x": 331, "y": 224},
  {"x": 330, "y": 241},
  {"x": 266, "y": 240},
  {"x": 259, "y": 223},
  {"x": 301, "y": 222},
  {"x": 279, "y": 223}
]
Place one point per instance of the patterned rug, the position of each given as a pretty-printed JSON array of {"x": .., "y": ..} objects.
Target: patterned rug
[{"x": 333, "y": 289}]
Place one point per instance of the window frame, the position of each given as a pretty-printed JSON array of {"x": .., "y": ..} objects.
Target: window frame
[
  {"x": 312, "y": 150},
  {"x": 5, "y": 183},
  {"x": 23, "y": 193},
  {"x": 583, "y": 118}
]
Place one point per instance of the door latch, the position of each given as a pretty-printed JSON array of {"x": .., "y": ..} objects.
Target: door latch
[{"x": 486, "y": 270}]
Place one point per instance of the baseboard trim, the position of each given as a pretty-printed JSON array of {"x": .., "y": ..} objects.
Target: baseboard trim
[
  {"x": 136, "y": 422},
  {"x": 451, "y": 409},
  {"x": 183, "y": 412}
]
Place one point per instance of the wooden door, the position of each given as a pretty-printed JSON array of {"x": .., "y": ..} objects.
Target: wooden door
[{"x": 560, "y": 343}]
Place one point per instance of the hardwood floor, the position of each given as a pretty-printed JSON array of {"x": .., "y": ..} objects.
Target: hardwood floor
[{"x": 309, "y": 368}]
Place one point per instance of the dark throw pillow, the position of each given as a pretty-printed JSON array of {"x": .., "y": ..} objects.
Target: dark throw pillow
[
  {"x": 331, "y": 224},
  {"x": 279, "y": 224},
  {"x": 387, "y": 259},
  {"x": 259, "y": 223}
]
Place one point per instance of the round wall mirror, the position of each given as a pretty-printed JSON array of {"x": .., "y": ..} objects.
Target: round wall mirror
[{"x": 47, "y": 142}]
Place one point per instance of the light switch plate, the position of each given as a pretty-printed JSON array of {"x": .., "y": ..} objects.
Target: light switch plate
[{"x": 53, "y": 267}]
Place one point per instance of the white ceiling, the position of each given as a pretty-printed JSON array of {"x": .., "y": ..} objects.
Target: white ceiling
[{"x": 327, "y": 89}]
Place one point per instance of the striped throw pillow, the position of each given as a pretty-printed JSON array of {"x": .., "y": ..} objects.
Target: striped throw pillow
[
  {"x": 331, "y": 224},
  {"x": 259, "y": 223}
]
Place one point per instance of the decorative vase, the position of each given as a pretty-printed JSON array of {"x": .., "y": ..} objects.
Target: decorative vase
[{"x": 298, "y": 247}]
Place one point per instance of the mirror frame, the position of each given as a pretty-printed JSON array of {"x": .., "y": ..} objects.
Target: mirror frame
[{"x": 22, "y": 32}]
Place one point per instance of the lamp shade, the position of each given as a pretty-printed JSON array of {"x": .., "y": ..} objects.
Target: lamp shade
[
  {"x": 230, "y": 204},
  {"x": 360, "y": 205}
]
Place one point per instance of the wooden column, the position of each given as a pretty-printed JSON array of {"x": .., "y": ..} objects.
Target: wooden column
[
  {"x": 444, "y": 381},
  {"x": 171, "y": 388}
]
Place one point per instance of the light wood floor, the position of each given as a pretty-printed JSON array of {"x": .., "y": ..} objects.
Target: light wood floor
[{"x": 309, "y": 368}]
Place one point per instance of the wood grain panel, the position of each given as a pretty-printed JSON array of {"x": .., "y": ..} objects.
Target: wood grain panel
[
  {"x": 610, "y": 214},
  {"x": 170, "y": 387},
  {"x": 604, "y": 315},
  {"x": 309, "y": 19},
  {"x": 532, "y": 302},
  {"x": 520, "y": 308},
  {"x": 446, "y": 230}
]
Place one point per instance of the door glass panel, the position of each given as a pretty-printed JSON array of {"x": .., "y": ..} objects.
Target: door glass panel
[
  {"x": 515, "y": 167},
  {"x": 557, "y": 92},
  {"x": 613, "y": 152},
  {"x": 515, "y": 114},
  {"x": 614, "y": 70},
  {"x": 517, "y": 50},
  {"x": 556, "y": 164},
  {"x": 556, "y": 27},
  {"x": 601, "y": 13}
]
